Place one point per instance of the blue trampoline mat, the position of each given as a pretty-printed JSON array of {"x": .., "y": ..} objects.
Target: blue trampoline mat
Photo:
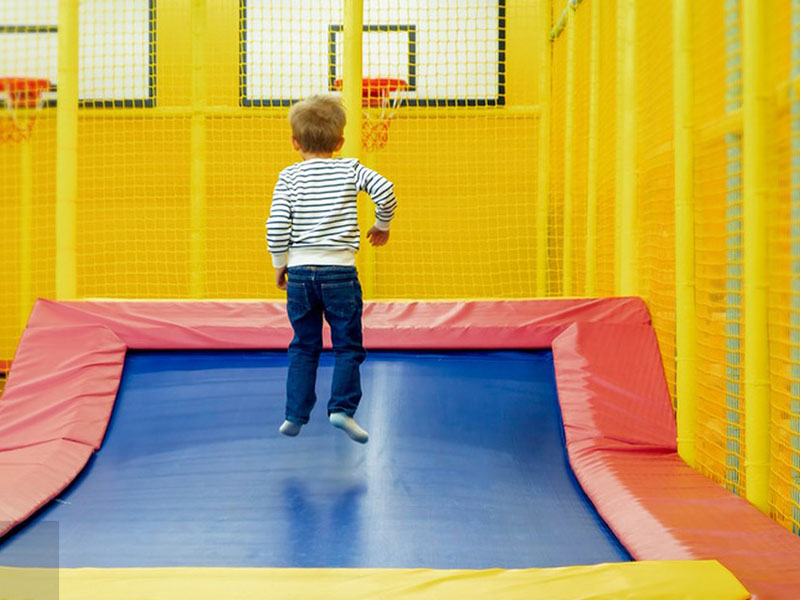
[{"x": 465, "y": 468}]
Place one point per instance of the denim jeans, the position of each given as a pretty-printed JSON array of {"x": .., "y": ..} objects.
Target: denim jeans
[{"x": 335, "y": 293}]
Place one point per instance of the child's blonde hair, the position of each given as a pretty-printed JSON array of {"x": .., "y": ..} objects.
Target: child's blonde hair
[{"x": 318, "y": 122}]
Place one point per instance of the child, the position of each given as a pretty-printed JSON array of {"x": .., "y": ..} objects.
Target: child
[{"x": 313, "y": 219}]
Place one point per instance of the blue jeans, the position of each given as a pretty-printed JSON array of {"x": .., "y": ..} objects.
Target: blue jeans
[{"x": 335, "y": 293}]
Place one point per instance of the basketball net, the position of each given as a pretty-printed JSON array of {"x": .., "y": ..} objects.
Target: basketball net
[
  {"x": 380, "y": 99},
  {"x": 21, "y": 100}
]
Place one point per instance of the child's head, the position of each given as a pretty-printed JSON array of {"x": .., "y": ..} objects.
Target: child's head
[{"x": 318, "y": 123}]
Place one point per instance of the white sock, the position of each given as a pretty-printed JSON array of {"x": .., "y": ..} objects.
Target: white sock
[
  {"x": 350, "y": 427},
  {"x": 290, "y": 428}
]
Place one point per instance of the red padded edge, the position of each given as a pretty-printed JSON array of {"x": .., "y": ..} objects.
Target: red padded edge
[
  {"x": 614, "y": 388},
  {"x": 620, "y": 439},
  {"x": 62, "y": 386},
  {"x": 387, "y": 325},
  {"x": 33, "y": 475},
  {"x": 54, "y": 412}
]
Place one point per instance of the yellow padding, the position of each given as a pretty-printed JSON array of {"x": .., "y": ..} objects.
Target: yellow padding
[{"x": 703, "y": 580}]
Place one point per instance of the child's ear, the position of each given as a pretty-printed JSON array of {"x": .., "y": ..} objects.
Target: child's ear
[
  {"x": 296, "y": 145},
  {"x": 339, "y": 145}
]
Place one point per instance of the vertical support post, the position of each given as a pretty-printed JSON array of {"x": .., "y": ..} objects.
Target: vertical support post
[
  {"x": 734, "y": 251},
  {"x": 626, "y": 230},
  {"x": 351, "y": 76},
  {"x": 543, "y": 184},
  {"x": 25, "y": 231},
  {"x": 794, "y": 301},
  {"x": 197, "y": 181},
  {"x": 567, "y": 264},
  {"x": 351, "y": 98},
  {"x": 594, "y": 145},
  {"x": 66, "y": 149},
  {"x": 685, "y": 333},
  {"x": 757, "y": 110}
]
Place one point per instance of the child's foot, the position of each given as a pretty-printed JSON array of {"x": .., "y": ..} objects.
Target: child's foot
[
  {"x": 290, "y": 428},
  {"x": 350, "y": 427}
]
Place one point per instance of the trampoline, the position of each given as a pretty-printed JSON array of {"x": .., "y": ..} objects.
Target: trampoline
[
  {"x": 148, "y": 433},
  {"x": 465, "y": 448}
]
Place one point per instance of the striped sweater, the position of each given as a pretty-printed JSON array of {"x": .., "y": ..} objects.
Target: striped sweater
[{"x": 313, "y": 216}]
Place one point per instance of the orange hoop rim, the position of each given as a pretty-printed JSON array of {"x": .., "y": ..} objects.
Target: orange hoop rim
[
  {"x": 375, "y": 91},
  {"x": 23, "y": 92},
  {"x": 20, "y": 93}
]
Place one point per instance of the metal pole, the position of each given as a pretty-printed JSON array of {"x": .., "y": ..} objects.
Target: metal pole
[
  {"x": 66, "y": 149},
  {"x": 351, "y": 98},
  {"x": 757, "y": 111},
  {"x": 543, "y": 187},
  {"x": 567, "y": 265},
  {"x": 626, "y": 159},
  {"x": 25, "y": 231},
  {"x": 197, "y": 182},
  {"x": 351, "y": 76},
  {"x": 685, "y": 325},
  {"x": 594, "y": 145}
]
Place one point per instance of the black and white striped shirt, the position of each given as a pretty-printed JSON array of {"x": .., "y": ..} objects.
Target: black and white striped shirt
[{"x": 313, "y": 216}]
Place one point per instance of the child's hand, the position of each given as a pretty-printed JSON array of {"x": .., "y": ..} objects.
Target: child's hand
[
  {"x": 280, "y": 278},
  {"x": 377, "y": 237}
]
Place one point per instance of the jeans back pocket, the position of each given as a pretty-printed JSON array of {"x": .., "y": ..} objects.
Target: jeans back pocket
[
  {"x": 340, "y": 299},
  {"x": 297, "y": 302}
]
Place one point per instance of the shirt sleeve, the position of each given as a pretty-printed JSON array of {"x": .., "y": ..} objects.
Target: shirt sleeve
[
  {"x": 381, "y": 190},
  {"x": 279, "y": 224}
]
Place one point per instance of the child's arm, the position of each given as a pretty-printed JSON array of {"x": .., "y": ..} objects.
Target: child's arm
[
  {"x": 279, "y": 231},
  {"x": 381, "y": 191}
]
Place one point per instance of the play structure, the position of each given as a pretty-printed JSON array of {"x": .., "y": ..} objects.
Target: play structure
[{"x": 584, "y": 337}]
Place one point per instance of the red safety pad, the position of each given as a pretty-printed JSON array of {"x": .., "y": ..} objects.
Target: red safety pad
[
  {"x": 33, "y": 475},
  {"x": 620, "y": 436},
  {"x": 62, "y": 386},
  {"x": 54, "y": 412},
  {"x": 512, "y": 324},
  {"x": 614, "y": 389}
]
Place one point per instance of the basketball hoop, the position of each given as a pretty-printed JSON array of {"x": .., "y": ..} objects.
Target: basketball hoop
[
  {"x": 380, "y": 98},
  {"x": 22, "y": 98}
]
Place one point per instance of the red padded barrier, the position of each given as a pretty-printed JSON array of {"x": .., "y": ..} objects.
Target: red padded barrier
[
  {"x": 62, "y": 386},
  {"x": 65, "y": 376},
  {"x": 613, "y": 389},
  {"x": 54, "y": 413},
  {"x": 620, "y": 437},
  {"x": 387, "y": 325},
  {"x": 31, "y": 476}
]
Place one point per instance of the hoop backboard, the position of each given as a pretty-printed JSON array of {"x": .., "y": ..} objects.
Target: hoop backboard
[
  {"x": 451, "y": 52},
  {"x": 116, "y": 55}
]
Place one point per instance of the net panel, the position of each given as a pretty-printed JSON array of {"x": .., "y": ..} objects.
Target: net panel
[
  {"x": 717, "y": 95},
  {"x": 558, "y": 117},
  {"x": 461, "y": 162},
  {"x": 655, "y": 185},
  {"x": 28, "y": 49},
  {"x": 284, "y": 55},
  {"x": 581, "y": 29},
  {"x": 133, "y": 170},
  {"x": 607, "y": 149}
]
